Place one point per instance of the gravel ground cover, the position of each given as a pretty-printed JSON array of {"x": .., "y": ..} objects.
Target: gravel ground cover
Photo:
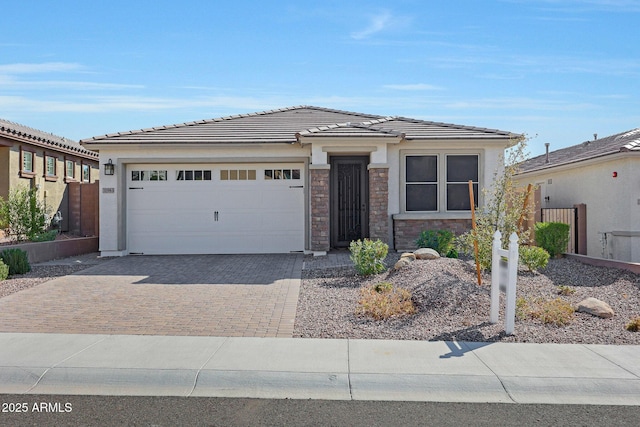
[{"x": 451, "y": 306}]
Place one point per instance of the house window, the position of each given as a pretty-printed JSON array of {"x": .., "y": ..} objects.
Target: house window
[
  {"x": 69, "y": 168},
  {"x": 50, "y": 166},
  {"x": 86, "y": 173},
  {"x": 421, "y": 183},
  {"x": 439, "y": 182},
  {"x": 27, "y": 161},
  {"x": 461, "y": 170}
]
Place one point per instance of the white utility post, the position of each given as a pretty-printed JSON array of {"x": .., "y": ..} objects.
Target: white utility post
[{"x": 504, "y": 281}]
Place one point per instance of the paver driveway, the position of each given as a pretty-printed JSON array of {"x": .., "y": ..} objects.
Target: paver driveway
[{"x": 212, "y": 295}]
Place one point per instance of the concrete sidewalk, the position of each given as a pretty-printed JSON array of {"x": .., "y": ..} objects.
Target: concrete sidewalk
[{"x": 319, "y": 369}]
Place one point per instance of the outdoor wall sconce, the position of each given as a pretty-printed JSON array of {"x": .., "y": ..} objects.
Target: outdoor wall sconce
[{"x": 109, "y": 168}]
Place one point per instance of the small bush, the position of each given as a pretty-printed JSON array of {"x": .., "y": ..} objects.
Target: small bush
[
  {"x": 566, "y": 290},
  {"x": 556, "y": 312},
  {"x": 633, "y": 325},
  {"x": 46, "y": 236},
  {"x": 533, "y": 257},
  {"x": 383, "y": 301},
  {"x": 17, "y": 261},
  {"x": 368, "y": 256},
  {"x": 439, "y": 240},
  {"x": 553, "y": 237},
  {"x": 4, "y": 271}
]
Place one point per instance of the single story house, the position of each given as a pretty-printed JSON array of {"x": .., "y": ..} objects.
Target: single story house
[
  {"x": 45, "y": 162},
  {"x": 604, "y": 175},
  {"x": 293, "y": 179}
]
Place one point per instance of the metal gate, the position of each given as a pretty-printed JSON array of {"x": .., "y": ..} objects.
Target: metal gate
[
  {"x": 349, "y": 201},
  {"x": 566, "y": 216}
]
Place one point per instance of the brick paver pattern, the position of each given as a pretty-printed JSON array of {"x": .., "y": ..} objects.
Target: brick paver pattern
[{"x": 199, "y": 295}]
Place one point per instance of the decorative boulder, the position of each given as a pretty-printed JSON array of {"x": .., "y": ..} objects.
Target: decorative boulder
[
  {"x": 402, "y": 262},
  {"x": 595, "y": 307},
  {"x": 409, "y": 255},
  {"x": 426, "y": 253}
]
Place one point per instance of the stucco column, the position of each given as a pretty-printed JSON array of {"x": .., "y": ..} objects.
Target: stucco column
[
  {"x": 379, "y": 202},
  {"x": 319, "y": 177}
]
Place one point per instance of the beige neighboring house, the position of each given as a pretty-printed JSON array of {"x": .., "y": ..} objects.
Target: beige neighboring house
[
  {"x": 603, "y": 174},
  {"x": 298, "y": 179},
  {"x": 36, "y": 159}
]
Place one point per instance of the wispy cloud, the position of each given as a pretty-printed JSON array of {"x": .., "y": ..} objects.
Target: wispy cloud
[
  {"x": 46, "y": 67},
  {"x": 413, "y": 87},
  {"x": 378, "y": 23}
]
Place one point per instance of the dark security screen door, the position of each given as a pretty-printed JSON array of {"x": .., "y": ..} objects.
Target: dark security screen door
[{"x": 349, "y": 200}]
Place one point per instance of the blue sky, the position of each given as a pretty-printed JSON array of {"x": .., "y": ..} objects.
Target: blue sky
[{"x": 557, "y": 70}]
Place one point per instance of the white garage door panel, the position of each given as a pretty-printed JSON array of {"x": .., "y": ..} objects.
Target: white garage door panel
[{"x": 216, "y": 216}]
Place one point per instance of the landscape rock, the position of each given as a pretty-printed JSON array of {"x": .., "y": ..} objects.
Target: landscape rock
[
  {"x": 426, "y": 253},
  {"x": 402, "y": 262},
  {"x": 595, "y": 307},
  {"x": 409, "y": 255}
]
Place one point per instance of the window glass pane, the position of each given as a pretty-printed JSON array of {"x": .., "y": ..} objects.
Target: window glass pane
[
  {"x": 458, "y": 197},
  {"x": 179, "y": 175},
  {"x": 268, "y": 174},
  {"x": 86, "y": 173},
  {"x": 162, "y": 175},
  {"x": 277, "y": 174},
  {"x": 243, "y": 175},
  {"x": 295, "y": 174},
  {"x": 233, "y": 175},
  {"x": 422, "y": 168},
  {"x": 69, "y": 168},
  {"x": 51, "y": 166},
  {"x": 207, "y": 175},
  {"x": 422, "y": 197},
  {"x": 135, "y": 175},
  {"x": 224, "y": 175},
  {"x": 27, "y": 161},
  {"x": 462, "y": 168},
  {"x": 188, "y": 175},
  {"x": 197, "y": 175},
  {"x": 252, "y": 174},
  {"x": 153, "y": 175}
]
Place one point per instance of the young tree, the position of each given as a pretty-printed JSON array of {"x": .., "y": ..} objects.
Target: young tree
[
  {"x": 504, "y": 209},
  {"x": 22, "y": 215}
]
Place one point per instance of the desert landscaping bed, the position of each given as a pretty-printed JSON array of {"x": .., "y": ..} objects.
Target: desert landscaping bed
[{"x": 451, "y": 306}]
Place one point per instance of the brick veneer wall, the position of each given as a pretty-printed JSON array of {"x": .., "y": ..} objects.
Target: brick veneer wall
[
  {"x": 319, "y": 209},
  {"x": 379, "y": 203},
  {"x": 406, "y": 231}
]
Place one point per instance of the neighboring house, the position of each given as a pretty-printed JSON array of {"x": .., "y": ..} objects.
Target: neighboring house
[
  {"x": 603, "y": 174},
  {"x": 45, "y": 162},
  {"x": 293, "y": 179}
]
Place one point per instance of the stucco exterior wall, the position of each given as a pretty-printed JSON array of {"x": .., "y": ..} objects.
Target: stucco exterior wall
[{"x": 613, "y": 203}]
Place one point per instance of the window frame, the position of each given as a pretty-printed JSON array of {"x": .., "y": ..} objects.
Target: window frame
[
  {"x": 47, "y": 175},
  {"x": 69, "y": 177},
  {"x": 442, "y": 182},
  {"x": 82, "y": 169},
  {"x": 446, "y": 183},
  {"x": 24, "y": 173}
]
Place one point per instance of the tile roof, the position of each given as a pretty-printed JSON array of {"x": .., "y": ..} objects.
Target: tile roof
[
  {"x": 16, "y": 131},
  {"x": 621, "y": 142},
  {"x": 286, "y": 124}
]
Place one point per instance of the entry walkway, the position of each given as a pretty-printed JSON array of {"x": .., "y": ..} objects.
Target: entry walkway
[{"x": 198, "y": 295}]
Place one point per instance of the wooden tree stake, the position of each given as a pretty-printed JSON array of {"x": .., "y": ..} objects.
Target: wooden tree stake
[{"x": 473, "y": 225}]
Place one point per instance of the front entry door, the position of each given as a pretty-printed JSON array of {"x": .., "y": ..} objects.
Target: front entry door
[{"x": 349, "y": 190}]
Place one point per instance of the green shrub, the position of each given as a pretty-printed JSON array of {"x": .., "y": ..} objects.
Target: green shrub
[
  {"x": 47, "y": 236},
  {"x": 4, "y": 271},
  {"x": 552, "y": 237},
  {"x": 22, "y": 215},
  {"x": 439, "y": 240},
  {"x": 533, "y": 257},
  {"x": 368, "y": 256},
  {"x": 17, "y": 260}
]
